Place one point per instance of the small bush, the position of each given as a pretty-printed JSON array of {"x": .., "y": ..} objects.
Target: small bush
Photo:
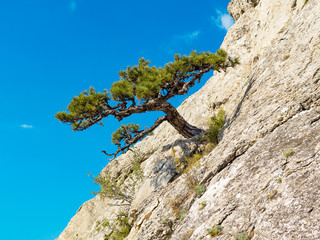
[
  {"x": 201, "y": 139},
  {"x": 215, "y": 124},
  {"x": 120, "y": 229},
  {"x": 186, "y": 165},
  {"x": 124, "y": 229},
  {"x": 113, "y": 188},
  {"x": 187, "y": 235},
  {"x": 165, "y": 221},
  {"x": 215, "y": 230},
  {"x": 208, "y": 148},
  {"x": 199, "y": 190},
  {"x": 272, "y": 194},
  {"x": 286, "y": 57},
  {"x": 136, "y": 166},
  {"x": 183, "y": 214},
  {"x": 176, "y": 205},
  {"x": 288, "y": 153},
  {"x": 121, "y": 188},
  {"x": 242, "y": 236},
  {"x": 105, "y": 223},
  {"x": 202, "y": 205},
  {"x": 192, "y": 179}
]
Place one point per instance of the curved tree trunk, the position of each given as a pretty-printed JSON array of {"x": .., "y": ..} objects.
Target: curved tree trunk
[{"x": 178, "y": 122}]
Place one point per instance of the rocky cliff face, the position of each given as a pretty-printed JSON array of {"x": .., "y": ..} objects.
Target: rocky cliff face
[{"x": 262, "y": 180}]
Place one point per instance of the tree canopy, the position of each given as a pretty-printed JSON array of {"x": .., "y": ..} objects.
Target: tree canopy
[{"x": 143, "y": 88}]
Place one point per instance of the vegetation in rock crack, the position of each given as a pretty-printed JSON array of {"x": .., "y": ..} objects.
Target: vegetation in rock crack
[
  {"x": 189, "y": 165},
  {"x": 202, "y": 205},
  {"x": 187, "y": 235},
  {"x": 306, "y": 1},
  {"x": 286, "y": 57},
  {"x": 279, "y": 180},
  {"x": 242, "y": 236},
  {"x": 215, "y": 125},
  {"x": 215, "y": 230},
  {"x": 119, "y": 227},
  {"x": 288, "y": 153},
  {"x": 121, "y": 188},
  {"x": 199, "y": 190},
  {"x": 272, "y": 194},
  {"x": 176, "y": 203},
  {"x": 165, "y": 221},
  {"x": 183, "y": 214},
  {"x": 184, "y": 164},
  {"x": 142, "y": 88}
]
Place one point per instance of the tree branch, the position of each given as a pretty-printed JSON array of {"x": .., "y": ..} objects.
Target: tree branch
[{"x": 136, "y": 138}]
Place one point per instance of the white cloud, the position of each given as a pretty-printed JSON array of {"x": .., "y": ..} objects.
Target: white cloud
[
  {"x": 188, "y": 38},
  {"x": 222, "y": 20},
  {"x": 73, "y": 6},
  {"x": 26, "y": 126},
  {"x": 178, "y": 41}
]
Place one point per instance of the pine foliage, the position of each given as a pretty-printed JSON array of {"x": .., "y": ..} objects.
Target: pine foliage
[
  {"x": 143, "y": 88},
  {"x": 87, "y": 104},
  {"x": 145, "y": 82},
  {"x": 124, "y": 132}
]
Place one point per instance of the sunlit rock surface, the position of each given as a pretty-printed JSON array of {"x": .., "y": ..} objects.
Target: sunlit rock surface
[{"x": 272, "y": 104}]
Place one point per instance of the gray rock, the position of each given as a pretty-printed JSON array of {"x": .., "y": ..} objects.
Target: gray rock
[
  {"x": 236, "y": 8},
  {"x": 272, "y": 103}
]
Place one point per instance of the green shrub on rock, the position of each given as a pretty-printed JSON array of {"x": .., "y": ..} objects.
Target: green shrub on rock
[
  {"x": 215, "y": 230},
  {"x": 242, "y": 236},
  {"x": 215, "y": 125}
]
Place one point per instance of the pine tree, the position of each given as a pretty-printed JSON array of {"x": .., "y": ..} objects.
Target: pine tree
[{"x": 142, "y": 88}]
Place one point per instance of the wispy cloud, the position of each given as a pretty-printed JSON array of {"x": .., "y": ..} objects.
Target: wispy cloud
[
  {"x": 26, "y": 126},
  {"x": 73, "y": 6},
  {"x": 222, "y": 20},
  {"x": 177, "y": 41},
  {"x": 187, "y": 38}
]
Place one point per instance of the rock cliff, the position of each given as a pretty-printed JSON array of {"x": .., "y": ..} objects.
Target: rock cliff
[{"x": 262, "y": 181}]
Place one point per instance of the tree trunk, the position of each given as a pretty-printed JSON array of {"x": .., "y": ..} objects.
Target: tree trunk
[{"x": 178, "y": 122}]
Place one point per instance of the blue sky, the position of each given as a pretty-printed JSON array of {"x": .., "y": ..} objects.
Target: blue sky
[{"x": 49, "y": 52}]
